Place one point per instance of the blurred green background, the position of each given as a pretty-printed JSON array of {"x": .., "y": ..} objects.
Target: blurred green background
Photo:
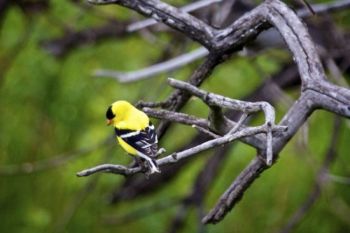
[{"x": 53, "y": 125}]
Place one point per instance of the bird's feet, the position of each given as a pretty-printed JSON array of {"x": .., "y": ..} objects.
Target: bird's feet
[{"x": 145, "y": 166}]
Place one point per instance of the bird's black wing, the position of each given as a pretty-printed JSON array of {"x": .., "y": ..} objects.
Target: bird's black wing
[{"x": 144, "y": 141}]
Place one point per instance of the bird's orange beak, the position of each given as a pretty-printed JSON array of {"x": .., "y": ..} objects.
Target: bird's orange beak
[{"x": 109, "y": 122}]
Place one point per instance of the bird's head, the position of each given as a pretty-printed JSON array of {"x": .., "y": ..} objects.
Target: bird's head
[{"x": 117, "y": 111}]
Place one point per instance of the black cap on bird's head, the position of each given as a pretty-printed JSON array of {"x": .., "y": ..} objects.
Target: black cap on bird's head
[
  {"x": 120, "y": 109},
  {"x": 109, "y": 115}
]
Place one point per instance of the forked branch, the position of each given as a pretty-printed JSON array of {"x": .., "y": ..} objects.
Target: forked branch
[
  {"x": 316, "y": 91},
  {"x": 236, "y": 132}
]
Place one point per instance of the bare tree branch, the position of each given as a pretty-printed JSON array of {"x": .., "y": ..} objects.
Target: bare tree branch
[
  {"x": 312, "y": 74},
  {"x": 135, "y": 186},
  {"x": 61, "y": 46},
  {"x": 245, "y": 107},
  {"x": 338, "y": 179},
  {"x": 184, "y": 59},
  {"x": 175, "y": 18},
  {"x": 176, "y": 117},
  {"x": 210, "y": 99},
  {"x": 168, "y": 65},
  {"x": 188, "y": 8},
  {"x": 308, "y": 6},
  {"x": 316, "y": 91},
  {"x": 325, "y": 8},
  {"x": 173, "y": 158},
  {"x": 178, "y": 99}
]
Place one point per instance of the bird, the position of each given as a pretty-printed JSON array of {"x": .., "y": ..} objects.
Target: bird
[{"x": 134, "y": 132}]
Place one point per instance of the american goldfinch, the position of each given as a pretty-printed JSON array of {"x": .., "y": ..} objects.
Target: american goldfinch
[{"x": 134, "y": 131}]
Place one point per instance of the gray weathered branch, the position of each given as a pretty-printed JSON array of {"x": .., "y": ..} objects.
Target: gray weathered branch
[
  {"x": 169, "y": 15},
  {"x": 316, "y": 91},
  {"x": 188, "y": 8},
  {"x": 236, "y": 132},
  {"x": 168, "y": 65}
]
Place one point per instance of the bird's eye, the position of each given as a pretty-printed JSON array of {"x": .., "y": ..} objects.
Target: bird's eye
[{"x": 109, "y": 114}]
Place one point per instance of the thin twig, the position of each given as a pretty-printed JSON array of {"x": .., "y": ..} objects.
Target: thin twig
[
  {"x": 325, "y": 8},
  {"x": 175, "y": 157},
  {"x": 203, "y": 125},
  {"x": 188, "y": 8},
  {"x": 316, "y": 91},
  {"x": 246, "y": 107},
  {"x": 338, "y": 179},
  {"x": 176, "y": 117},
  {"x": 205, "y": 131},
  {"x": 169, "y": 15},
  {"x": 169, "y": 65},
  {"x": 178, "y": 99},
  {"x": 308, "y": 6}
]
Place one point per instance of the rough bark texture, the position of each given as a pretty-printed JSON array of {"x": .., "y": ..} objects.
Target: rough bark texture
[{"x": 316, "y": 91}]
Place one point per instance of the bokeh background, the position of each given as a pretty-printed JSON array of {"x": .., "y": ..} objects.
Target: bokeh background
[{"x": 53, "y": 125}]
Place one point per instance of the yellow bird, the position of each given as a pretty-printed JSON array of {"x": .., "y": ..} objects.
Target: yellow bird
[{"x": 134, "y": 131}]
